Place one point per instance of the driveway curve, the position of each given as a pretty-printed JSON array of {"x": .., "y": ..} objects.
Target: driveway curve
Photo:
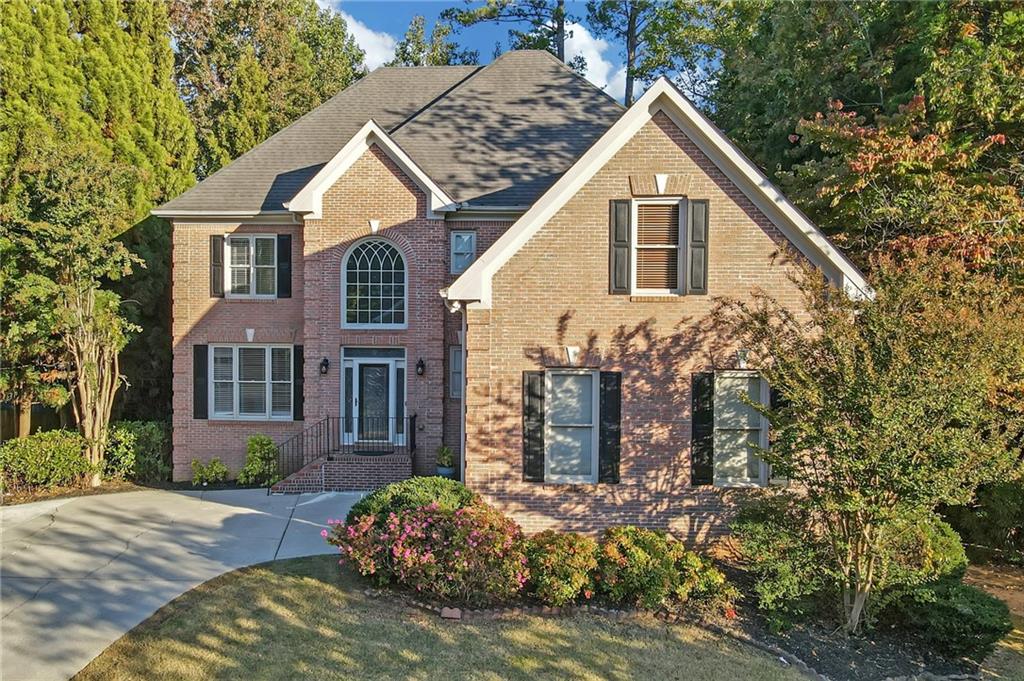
[{"x": 76, "y": 574}]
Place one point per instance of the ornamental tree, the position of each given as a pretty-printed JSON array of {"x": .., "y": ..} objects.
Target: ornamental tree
[{"x": 890, "y": 405}]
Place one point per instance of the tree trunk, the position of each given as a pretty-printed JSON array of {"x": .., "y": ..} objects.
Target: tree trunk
[
  {"x": 24, "y": 408},
  {"x": 630, "y": 54},
  {"x": 560, "y": 30}
]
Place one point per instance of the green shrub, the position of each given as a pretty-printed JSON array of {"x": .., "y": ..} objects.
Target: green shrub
[
  {"x": 413, "y": 493},
  {"x": 647, "y": 568},
  {"x": 952, "y": 618},
  {"x": 139, "y": 451},
  {"x": 993, "y": 526},
  {"x": 260, "y": 462},
  {"x": 47, "y": 459},
  {"x": 211, "y": 473},
  {"x": 561, "y": 566},
  {"x": 472, "y": 555},
  {"x": 917, "y": 553},
  {"x": 785, "y": 559}
]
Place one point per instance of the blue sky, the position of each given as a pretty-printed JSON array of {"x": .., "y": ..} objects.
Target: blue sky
[{"x": 378, "y": 25}]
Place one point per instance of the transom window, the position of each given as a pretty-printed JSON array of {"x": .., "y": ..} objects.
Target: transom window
[
  {"x": 463, "y": 251},
  {"x": 656, "y": 247},
  {"x": 251, "y": 381},
  {"x": 572, "y": 400},
  {"x": 252, "y": 266},
  {"x": 375, "y": 286}
]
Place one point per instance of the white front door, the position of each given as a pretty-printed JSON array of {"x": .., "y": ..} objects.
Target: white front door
[{"x": 373, "y": 396}]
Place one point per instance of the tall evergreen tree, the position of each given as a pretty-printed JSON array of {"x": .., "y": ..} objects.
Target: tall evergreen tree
[{"x": 416, "y": 50}]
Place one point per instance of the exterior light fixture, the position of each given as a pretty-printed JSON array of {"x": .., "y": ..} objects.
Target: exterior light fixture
[
  {"x": 325, "y": 365},
  {"x": 421, "y": 367},
  {"x": 741, "y": 358}
]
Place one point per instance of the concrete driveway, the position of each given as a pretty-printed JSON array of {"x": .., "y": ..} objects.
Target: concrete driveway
[{"x": 76, "y": 574}]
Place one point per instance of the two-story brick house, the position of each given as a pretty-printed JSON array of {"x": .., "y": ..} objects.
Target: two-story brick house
[{"x": 576, "y": 247}]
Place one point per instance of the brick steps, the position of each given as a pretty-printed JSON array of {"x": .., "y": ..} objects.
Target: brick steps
[
  {"x": 309, "y": 478},
  {"x": 346, "y": 473}
]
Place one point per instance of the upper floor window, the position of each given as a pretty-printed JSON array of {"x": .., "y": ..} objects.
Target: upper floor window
[
  {"x": 656, "y": 258},
  {"x": 375, "y": 292},
  {"x": 463, "y": 251},
  {"x": 252, "y": 265}
]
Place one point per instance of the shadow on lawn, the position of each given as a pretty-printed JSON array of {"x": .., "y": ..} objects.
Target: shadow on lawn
[{"x": 302, "y": 619}]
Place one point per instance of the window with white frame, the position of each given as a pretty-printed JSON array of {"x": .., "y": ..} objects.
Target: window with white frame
[
  {"x": 455, "y": 371},
  {"x": 657, "y": 253},
  {"x": 463, "y": 251},
  {"x": 739, "y": 429},
  {"x": 374, "y": 286},
  {"x": 251, "y": 381},
  {"x": 572, "y": 400},
  {"x": 252, "y": 266}
]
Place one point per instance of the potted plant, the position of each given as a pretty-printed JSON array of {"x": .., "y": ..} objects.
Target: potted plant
[{"x": 445, "y": 462}]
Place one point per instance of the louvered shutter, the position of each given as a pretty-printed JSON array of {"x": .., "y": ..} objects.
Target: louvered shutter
[
  {"x": 618, "y": 247},
  {"x": 702, "y": 440},
  {"x": 697, "y": 248},
  {"x": 217, "y": 266},
  {"x": 533, "y": 426},
  {"x": 284, "y": 265},
  {"x": 657, "y": 246},
  {"x": 611, "y": 427},
  {"x": 200, "y": 385}
]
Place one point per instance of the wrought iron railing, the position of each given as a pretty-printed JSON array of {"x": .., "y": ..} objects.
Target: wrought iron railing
[{"x": 336, "y": 436}]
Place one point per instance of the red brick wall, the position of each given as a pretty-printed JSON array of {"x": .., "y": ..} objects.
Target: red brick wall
[{"x": 554, "y": 293}]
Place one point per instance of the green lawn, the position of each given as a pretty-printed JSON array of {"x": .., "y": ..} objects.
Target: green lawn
[{"x": 301, "y": 619}]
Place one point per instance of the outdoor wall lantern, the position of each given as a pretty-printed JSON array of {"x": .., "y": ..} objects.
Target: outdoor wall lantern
[
  {"x": 325, "y": 365},
  {"x": 421, "y": 367}
]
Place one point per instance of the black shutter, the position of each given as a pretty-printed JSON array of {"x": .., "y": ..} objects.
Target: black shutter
[
  {"x": 297, "y": 381},
  {"x": 284, "y": 265},
  {"x": 216, "y": 266},
  {"x": 533, "y": 426},
  {"x": 697, "y": 248},
  {"x": 618, "y": 247},
  {"x": 611, "y": 427},
  {"x": 702, "y": 440},
  {"x": 200, "y": 386}
]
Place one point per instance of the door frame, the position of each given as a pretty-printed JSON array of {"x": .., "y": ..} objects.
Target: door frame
[{"x": 393, "y": 364}]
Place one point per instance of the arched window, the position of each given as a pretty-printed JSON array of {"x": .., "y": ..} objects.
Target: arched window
[{"x": 375, "y": 285}]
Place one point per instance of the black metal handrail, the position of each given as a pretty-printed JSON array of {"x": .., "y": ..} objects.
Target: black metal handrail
[{"x": 336, "y": 436}]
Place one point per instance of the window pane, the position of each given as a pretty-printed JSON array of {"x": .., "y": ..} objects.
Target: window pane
[
  {"x": 265, "y": 251},
  {"x": 252, "y": 364},
  {"x": 266, "y": 281},
  {"x": 657, "y": 224},
  {"x": 223, "y": 364},
  {"x": 281, "y": 399},
  {"x": 572, "y": 399},
  {"x": 461, "y": 261},
  {"x": 730, "y": 410},
  {"x": 281, "y": 364},
  {"x": 223, "y": 398},
  {"x": 734, "y": 457},
  {"x": 400, "y": 399},
  {"x": 657, "y": 268},
  {"x": 569, "y": 451},
  {"x": 240, "y": 280},
  {"x": 252, "y": 398},
  {"x": 463, "y": 242},
  {"x": 239, "y": 251}
]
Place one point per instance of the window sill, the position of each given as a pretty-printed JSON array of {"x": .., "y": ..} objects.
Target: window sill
[
  {"x": 374, "y": 327},
  {"x": 252, "y": 419},
  {"x": 656, "y": 298}
]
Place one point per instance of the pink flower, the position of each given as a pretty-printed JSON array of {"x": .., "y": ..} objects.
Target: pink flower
[{"x": 323, "y": 533}]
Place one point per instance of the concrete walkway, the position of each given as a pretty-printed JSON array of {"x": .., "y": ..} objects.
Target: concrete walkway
[{"x": 76, "y": 574}]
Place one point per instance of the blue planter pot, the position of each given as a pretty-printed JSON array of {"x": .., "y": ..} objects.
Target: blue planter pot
[{"x": 446, "y": 472}]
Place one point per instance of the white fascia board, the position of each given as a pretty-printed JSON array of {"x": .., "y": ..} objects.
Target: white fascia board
[
  {"x": 475, "y": 283},
  {"x": 309, "y": 200}
]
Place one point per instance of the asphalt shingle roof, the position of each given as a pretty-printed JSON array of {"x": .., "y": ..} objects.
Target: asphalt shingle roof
[{"x": 495, "y": 135}]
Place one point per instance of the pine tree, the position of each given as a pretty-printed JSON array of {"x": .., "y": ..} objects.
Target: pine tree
[{"x": 415, "y": 50}]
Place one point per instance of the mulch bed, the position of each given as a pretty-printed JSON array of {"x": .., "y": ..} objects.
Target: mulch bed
[{"x": 111, "y": 487}]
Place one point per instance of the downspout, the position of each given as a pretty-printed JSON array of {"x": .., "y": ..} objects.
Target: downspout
[{"x": 465, "y": 397}]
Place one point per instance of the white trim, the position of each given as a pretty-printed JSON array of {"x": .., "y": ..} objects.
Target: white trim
[
  {"x": 309, "y": 200},
  {"x": 595, "y": 431},
  {"x": 451, "y": 248},
  {"x": 268, "y": 366},
  {"x": 680, "y": 247},
  {"x": 475, "y": 282},
  {"x": 394, "y": 364}
]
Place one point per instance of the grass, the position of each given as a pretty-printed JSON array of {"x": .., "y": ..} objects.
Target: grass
[{"x": 304, "y": 618}]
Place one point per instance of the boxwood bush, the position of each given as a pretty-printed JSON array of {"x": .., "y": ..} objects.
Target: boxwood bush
[
  {"x": 410, "y": 494},
  {"x": 260, "y": 462},
  {"x": 53, "y": 458},
  {"x": 139, "y": 451},
  {"x": 561, "y": 566}
]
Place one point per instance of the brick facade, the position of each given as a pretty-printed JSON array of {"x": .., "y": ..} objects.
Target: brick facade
[{"x": 554, "y": 293}]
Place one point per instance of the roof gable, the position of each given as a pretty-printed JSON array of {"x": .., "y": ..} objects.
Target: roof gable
[{"x": 475, "y": 283}]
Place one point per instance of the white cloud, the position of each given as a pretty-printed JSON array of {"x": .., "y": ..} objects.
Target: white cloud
[
  {"x": 600, "y": 71},
  {"x": 378, "y": 46}
]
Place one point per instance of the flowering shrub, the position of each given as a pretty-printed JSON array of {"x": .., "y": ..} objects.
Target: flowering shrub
[
  {"x": 473, "y": 555},
  {"x": 561, "y": 566},
  {"x": 649, "y": 569}
]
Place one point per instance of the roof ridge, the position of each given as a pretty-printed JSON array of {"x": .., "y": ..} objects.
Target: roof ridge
[{"x": 441, "y": 96}]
